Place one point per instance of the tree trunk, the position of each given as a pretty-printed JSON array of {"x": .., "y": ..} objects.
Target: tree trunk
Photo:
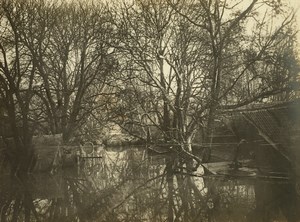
[{"x": 170, "y": 182}]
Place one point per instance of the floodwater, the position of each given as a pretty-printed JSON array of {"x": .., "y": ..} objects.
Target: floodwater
[{"x": 129, "y": 185}]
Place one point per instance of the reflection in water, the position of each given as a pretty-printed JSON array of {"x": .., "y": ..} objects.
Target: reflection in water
[{"x": 132, "y": 186}]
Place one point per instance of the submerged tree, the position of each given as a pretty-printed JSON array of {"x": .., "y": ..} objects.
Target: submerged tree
[
  {"x": 55, "y": 61},
  {"x": 17, "y": 80},
  {"x": 183, "y": 62}
]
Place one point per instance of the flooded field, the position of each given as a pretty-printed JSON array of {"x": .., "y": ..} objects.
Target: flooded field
[{"x": 130, "y": 185}]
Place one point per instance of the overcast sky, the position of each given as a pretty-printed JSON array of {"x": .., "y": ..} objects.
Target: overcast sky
[{"x": 296, "y": 5}]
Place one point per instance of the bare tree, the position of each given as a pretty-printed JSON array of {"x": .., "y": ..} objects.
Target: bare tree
[
  {"x": 161, "y": 84},
  {"x": 17, "y": 80},
  {"x": 55, "y": 62},
  {"x": 185, "y": 61},
  {"x": 73, "y": 60},
  {"x": 241, "y": 40}
]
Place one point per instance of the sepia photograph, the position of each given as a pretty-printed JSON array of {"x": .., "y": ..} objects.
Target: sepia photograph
[{"x": 149, "y": 111}]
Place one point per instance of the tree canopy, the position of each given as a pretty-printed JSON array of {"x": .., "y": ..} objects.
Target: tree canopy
[{"x": 161, "y": 69}]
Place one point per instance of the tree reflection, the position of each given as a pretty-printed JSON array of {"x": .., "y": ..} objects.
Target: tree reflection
[{"x": 132, "y": 186}]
